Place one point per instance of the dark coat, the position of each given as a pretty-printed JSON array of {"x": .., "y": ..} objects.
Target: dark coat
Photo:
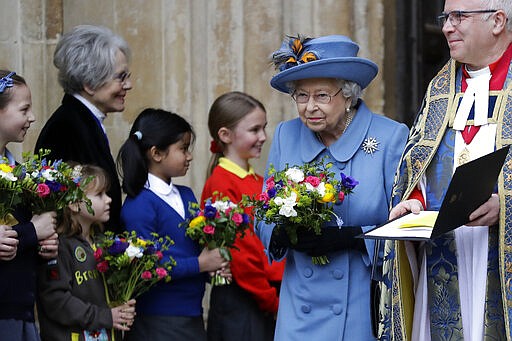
[{"x": 74, "y": 133}]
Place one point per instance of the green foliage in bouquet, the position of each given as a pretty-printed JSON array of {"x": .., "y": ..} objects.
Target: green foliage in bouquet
[{"x": 131, "y": 265}]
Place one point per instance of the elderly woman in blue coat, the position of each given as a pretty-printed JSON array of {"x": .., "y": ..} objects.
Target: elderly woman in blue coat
[{"x": 325, "y": 77}]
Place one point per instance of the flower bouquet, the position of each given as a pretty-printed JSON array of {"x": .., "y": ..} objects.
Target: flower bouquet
[
  {"x": 50, "y": 186},
  {"x": 131, "y": 265},
  {"x": 217, "y": 226},
  {"x": 301, "y": 197},
  {"x": 11, "y": 189}
]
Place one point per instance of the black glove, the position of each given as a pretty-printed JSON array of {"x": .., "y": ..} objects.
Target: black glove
[
  {"x": 331, "y": 239},
  {"x": 279, "y": 242}
]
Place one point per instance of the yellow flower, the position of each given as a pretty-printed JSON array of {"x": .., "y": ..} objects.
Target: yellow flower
[
  {"x": 329, "y": 194},
  {"x": 197, "y": 221},
  {"x": 5, "y": 168},
  {"x": 141, "y": 242}
]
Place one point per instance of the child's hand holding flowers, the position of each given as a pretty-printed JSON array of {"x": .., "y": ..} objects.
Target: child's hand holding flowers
[
  {"x": 300, "y": 200},
  {"x": 217, "y": 226}
]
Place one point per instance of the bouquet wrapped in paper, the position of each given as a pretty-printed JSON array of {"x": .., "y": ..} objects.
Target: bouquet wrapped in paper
[
  {"x": 217, "y": 226},
  {"x": 301, "y": 197},
  {"x": 131, "y": 265}
]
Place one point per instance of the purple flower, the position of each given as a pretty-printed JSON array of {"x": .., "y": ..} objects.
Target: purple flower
[
  {"x": 117, "y": 247},
  {"x": 348, "y": 182},
  {"x": 272, "y": 192},
  {"x": 150, "y": 249},
  {"x": 246, "y": 218},
  {"x": 54, "y": 185},
  {"x": 210, "y": 211}
]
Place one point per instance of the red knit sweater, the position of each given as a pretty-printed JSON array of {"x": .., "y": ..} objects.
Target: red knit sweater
[{"x": 250, "y": 267}]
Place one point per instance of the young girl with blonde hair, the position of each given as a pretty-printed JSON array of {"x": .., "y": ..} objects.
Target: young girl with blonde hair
[{"x": 245, "y": 309}]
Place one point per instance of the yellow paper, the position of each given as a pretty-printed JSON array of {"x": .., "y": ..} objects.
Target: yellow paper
[{"x": 428, "y": 219}]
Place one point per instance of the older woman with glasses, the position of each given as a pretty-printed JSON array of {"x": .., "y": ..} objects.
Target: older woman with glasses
[
  {"x": 325, "y": 77},
  {"x": 93, "y": 71}
]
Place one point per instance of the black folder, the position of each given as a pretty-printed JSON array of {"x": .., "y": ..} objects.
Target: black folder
[{"x": 472, "y": 184}]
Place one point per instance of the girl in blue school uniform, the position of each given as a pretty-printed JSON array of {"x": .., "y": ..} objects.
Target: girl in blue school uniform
[{"x": 157, "y": 151}]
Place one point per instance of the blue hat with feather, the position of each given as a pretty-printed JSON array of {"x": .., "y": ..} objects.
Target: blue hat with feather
[{"x": 333, "y": 56}]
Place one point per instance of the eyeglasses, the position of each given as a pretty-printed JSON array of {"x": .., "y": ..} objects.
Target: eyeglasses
[
  {"x": 456, "y": 17},
  {"x": 121, "y": 77},
  {"x": 321, "y": 97}
]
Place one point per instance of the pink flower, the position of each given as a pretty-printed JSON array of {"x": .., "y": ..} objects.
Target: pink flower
[
  {"x": 159, "y": 254},
  {"x": 43, "y": 190},
  {"x": 209, "y": 229},
  {"x": 98, "y": 253},
  {"x": 228, "y": 210},
  {"x": 313, "y": 180},
  {"x": 102, "y": 266},
  {"x": 270, "y": 183},
  {"x": 341, "y": 196},
  {"x": 161, "y": 272},
  {"x": 264, "y": 197},
  {"x": 146, "y": 275},
  {"x": 237, "y": 218}
]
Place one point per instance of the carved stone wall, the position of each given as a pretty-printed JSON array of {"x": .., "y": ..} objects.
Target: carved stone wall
[{"x": 186, "y": 53}]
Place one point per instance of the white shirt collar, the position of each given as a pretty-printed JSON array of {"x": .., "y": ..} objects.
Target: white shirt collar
[
  {"x": 92, "y": 108},
  {"x": 167, "y": 192},
  {"x": 158, "y": 186}
]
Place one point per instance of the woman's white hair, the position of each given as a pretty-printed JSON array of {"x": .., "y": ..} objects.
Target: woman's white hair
[{"x": 86, "y": 56}]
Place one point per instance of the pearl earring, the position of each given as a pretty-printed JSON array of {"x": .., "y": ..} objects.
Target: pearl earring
[{"x": 347, "y": 110}]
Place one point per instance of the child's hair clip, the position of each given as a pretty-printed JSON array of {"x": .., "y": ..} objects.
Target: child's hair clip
[
  {"x": 6, "y": 82},
  {"x": 138, "y": 135}
]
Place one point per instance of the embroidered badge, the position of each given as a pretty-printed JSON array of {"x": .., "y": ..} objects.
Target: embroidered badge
[
  {"x": 370, "y": 145},
  {"x": 80, "y": 254},
  {"x": 52, "y": 270}
]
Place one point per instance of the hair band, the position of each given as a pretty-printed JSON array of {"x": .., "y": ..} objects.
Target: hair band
[
  {"x": 6, "y": 82},
  {"x": 138, "y": 135},
  {"x": 215, "y": 148}
]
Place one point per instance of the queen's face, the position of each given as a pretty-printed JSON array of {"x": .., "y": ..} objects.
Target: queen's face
[
  {"x": 323, "y": 116},
  {"x": 110, "y": 96}
]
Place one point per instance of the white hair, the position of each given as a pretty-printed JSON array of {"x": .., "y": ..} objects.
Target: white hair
[{"x": 505, "y": 5}]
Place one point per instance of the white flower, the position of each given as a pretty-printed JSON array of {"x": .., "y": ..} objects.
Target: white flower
[
  {"x": 222, "y": 206},
  {"x": 48, "y": 174},
  {"x": 321, "y": 189},
  {"x": 287, "y": 211},
  {"x": 288, "y": 201},
  {"x": 8, "y": 176},
  {"x": 134, "y": 251},
  {"x": 295, "y": 175}
]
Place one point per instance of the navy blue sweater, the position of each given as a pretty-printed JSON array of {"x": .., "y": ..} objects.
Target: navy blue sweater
[
  {"x": 182, "y": 296},
  {"x": 18, "y": 280}
]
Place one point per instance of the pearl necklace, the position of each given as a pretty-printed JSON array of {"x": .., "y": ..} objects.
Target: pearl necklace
[{"x": 349, "y": 119}]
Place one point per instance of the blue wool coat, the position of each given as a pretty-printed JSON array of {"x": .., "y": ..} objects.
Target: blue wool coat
[{"x": 332, "y": 302}]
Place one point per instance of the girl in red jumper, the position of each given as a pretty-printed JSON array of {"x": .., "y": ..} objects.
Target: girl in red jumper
[{"x": 245, "y": 309}]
